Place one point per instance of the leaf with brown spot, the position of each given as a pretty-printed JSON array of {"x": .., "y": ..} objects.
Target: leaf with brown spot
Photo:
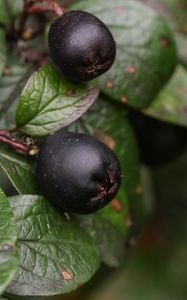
[
  {"x": 8, "y": 237},
  {"x": 142, "y": 65},
  {"x": 55, "y": 253},
  {"x": 19, "y": 169},
  {"x": 171, "y": 103},
  {"x": 174, "y": 11},
  {"x": 48, "y": 103}
]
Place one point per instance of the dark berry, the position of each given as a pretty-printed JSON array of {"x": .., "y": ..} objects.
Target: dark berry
[
  {"x": 159, "y": 142},
  {"x": 77, "y": 172},
  {"x": 81, "y": 45}
]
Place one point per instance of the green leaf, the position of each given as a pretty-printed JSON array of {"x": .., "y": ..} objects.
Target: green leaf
[
  {"x": 3, "y": 51},
  {"x": 11, "y": 84},
  {"x": 171, "y": 103},
  {"x": 56, "y": 255},
  {"x": 49, "y": 102},
  {"x": 108, "y": 122},
  {"x": 4, "y": 12},
  {"x": 182, "y": 48},
  {"x": 12, "y": 78},
  {"x": 146, "y": 52},
  {"x": 110, "y": 241},
  {"x": 8, "y": 237},
  {"x": 19, "y": 169},
  {"x": 4, "y": 298},
  {"x": 15, "y": 7},
  {"x": 173, "y": 10},
  {"x": 9, "y": 10},
  {"x": 109, "y": 228}
]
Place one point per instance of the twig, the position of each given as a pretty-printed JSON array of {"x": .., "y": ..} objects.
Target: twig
[
  {"x": 52, "y": 6},
  {"x": 18, "y": 145},
  {"x": 31, "y": 6}
]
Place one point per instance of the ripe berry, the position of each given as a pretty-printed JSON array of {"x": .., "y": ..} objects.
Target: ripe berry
[
  {"x": 77, "y": 173},
  {"x": 81, "y": 45},
  {"x": 159, "y": 142}
]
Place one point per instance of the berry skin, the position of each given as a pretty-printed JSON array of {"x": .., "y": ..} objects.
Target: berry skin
[
  {"x": 81, "y": 45},
  {"x": 77, "y": 173},
  {"x": 159, "y": 142}
]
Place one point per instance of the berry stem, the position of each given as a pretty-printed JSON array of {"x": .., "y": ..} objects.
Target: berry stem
[
  {"x": 55, "y": 7},
  {"x": 4, "y": 133},
  {"x": 17, "y": 145},
  {"x": 52, "y": 6}
]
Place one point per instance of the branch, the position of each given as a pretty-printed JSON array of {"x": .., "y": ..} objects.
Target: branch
[
  {"x": 52, "y": 6},
  {"x": 25, "y": 148}
]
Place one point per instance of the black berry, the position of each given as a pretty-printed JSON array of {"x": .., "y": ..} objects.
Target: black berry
[
  {"x": 81, "y": 45},
  {"x": 159, "y": 142},
  {"x": 77, "y": 173}
]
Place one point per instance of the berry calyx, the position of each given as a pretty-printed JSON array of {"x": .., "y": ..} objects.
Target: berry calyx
[
  {"x": 81, "y": 45},
  {"x": 77, "y": 172}
]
